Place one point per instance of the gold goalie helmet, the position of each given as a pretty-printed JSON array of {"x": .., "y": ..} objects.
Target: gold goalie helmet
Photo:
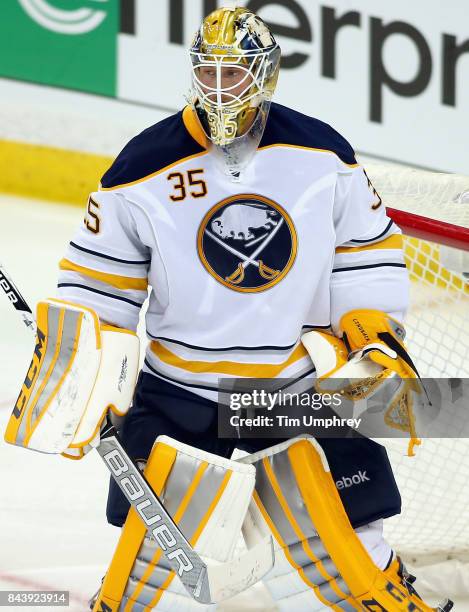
[{"x": 235, "y": 66}]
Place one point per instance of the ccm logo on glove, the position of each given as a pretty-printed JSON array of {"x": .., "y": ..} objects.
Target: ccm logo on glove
[{"x": 32, "y": 374}]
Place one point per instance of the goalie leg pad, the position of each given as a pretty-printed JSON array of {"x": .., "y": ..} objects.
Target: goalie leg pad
[
  {"x": 304, "y": 576},
  {"x": 208, "y": 497},
  {"x": 321, "y": 562}
]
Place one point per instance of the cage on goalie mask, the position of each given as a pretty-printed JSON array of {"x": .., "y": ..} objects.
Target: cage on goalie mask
[{"x": 235, "y": 64}]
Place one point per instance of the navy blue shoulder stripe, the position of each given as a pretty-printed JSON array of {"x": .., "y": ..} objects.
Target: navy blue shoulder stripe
[
  {"x": 168, "y": 141},
  {"x": 290, "y": 383},
  {"x": 103, "y": 256},
  {"x": 179, "y": 382},
  {"x": 104, "y": 293},
  {"x": 369, "y": 266},
  {"x": 158, "y": 146},
  {"x": 384, "y": 232},
  {"x": 224, "y": 348},
  {"x": 287, "y": 126}
]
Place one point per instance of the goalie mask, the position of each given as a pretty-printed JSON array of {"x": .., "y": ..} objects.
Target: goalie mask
[{"x": 235, "y": 65}]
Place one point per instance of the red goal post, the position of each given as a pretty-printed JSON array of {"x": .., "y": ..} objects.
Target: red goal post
[{"x": 426, "y": 228}]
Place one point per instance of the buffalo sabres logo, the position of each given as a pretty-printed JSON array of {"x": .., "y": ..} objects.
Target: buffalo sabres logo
[{"x": 247, "y": 242}]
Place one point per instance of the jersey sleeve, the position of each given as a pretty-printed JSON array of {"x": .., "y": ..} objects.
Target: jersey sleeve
[
  {"x": 106, "y": 264},
  {"x": 369, "y": 269}
]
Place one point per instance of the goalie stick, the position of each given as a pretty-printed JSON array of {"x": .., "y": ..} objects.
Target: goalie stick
[{"x": 205, "y": 583}]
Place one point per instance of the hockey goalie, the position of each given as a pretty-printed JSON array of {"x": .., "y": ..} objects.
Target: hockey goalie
[{"x": 253, "y": 226}]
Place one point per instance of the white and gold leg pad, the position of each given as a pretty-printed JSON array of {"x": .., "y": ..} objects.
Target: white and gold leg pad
[
  {"x": 208, "y": 497},
  {"x": 320, "y": 561}
]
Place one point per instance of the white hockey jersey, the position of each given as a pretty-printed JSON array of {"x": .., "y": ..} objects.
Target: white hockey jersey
[{"x": 237, "y": 270}]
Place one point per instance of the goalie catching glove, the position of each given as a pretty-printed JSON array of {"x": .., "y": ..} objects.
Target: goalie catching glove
[
  {"x": 374, "y": 373},
  {"x": 375, "y": 334},
  {"x": 79, "y": 370}
]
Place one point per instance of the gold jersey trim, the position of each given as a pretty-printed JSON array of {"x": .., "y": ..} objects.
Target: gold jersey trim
[
  {"x": 291, "y": 146},
  {"x": 393, "y": 242},
  {"x": 193, "y": 126},
  {"x": 120, "y": 282},
  {"x": 232, "y": 368},
  {"x": 195, "y": 130},
  {"x": 153, "y": 174}
]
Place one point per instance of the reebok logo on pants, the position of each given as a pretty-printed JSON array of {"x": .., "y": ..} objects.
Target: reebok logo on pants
[{"x": 348, "y": 481}]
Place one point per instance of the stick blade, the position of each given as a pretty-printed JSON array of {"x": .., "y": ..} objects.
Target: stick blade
[{"x": 228, "y": 579}]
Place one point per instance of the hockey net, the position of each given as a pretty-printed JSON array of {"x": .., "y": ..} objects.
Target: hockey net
[{"x": 433, "y": 212}]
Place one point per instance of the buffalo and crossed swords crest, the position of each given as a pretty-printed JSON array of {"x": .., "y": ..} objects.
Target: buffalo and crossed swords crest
[{"x": 244, "y": 228}]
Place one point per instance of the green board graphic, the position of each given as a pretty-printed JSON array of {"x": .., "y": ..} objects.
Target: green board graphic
[{"x": 67, "y": 43}]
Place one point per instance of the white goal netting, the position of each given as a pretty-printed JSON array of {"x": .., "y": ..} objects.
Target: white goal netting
[
  {"x": 438, "y": 196},
  {"x": 434, "y": 526}
]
